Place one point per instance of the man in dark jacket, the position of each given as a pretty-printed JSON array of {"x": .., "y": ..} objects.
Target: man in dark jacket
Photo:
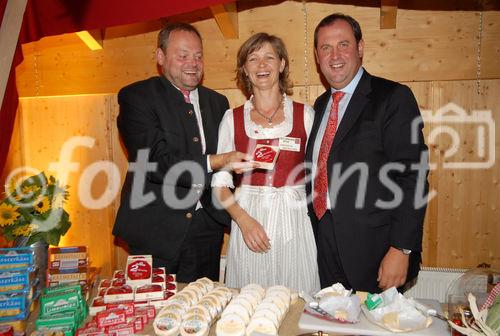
[{"x": 169, "y": 125}]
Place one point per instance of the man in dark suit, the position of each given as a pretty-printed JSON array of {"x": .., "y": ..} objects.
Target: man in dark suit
[
  {"x": 169, "y": 125},
  {"x": 369, "y": 174}
]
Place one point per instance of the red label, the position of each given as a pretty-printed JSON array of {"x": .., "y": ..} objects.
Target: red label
[
  {"x": 264, "y": 154},
  {"x": 139, "y": 270}
]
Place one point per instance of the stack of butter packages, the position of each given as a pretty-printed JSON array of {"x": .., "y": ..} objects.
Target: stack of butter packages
[
  {"x": 68, "y": 265},
  {"x": 127, "y": 302},
  {"x": 18, "y": 284},
  {"x": 62, "y": 309}
]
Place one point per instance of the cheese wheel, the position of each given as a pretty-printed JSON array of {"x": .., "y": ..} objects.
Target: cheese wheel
[
  {"x": 268, "y": 314},
  {"x": 200, "y": 310},
  {"x": 215, "y": 300},
  {"x": 174, "y": 307},
  {"x": 209, "y": 284},
  {"x": 278, "y": 302},
  {"x": 241, "y": 311},
  {"x": 167, "y": 324},
  {"x": 244, "y": 302},
  {"x": 262, "y": 325},
  {"x": 230, "y": 325},
  {"x": 192, "y": 293},
  {"x": 226, "y": 291},
  {"x": 280, "y": 288},
  {"x": 210, "y": 305},
  {"x": 272, "y": 307},
  {"x": 194, "y": 325},
  {"x": 253, "y": 299},
  {"x": 183, "y": 299},
  {"x": 253, "y": 287}
]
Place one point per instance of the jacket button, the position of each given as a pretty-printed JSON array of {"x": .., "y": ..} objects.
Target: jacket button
[
  {"x": 189, "y": 215},
  {"x": 196, "y": 139},
  {"x": 190, "y": 112}
]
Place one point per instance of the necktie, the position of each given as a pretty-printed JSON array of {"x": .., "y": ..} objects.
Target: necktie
[
  {"x": 321, "y": 179},
  {"x": 185, "y": 93}
]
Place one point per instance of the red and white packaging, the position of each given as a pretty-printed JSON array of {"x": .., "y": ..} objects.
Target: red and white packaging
[
  {"x": 171, "y": 286},
  {"x": 118, "y": 282},
  {"x": 150, "y": 311},
  {"x": 122, "y": 293},
  {"x": 105, "y": 283},
  {"x": 90, "y": 331},
  {"x": 170, "y": 278},
  {"x": 163, "y": 302},
  {"x": 97, "y": 305},
  {"x": 111, "y": 317},
  {"x": 159, "y": 271},
  {"x": 148, "y": 292},
  {"x": 127, "y": 305},
  {"x": 127, "y": 328},
  {"x": 266, "y": 156},
  {"x": 139, "y": 270},
  {"x": 119, "y": 274},
  {"x": 138, "y": 324},
  {"x": 158, "y": 279}
]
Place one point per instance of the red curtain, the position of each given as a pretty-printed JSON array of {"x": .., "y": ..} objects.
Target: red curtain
[{"x": 53, "y": 17}]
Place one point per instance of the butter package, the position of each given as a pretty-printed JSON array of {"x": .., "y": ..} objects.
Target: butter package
[
  {"x": 68, "y": 257},
  {"x": 13, "y": 307},
  {"x": 65, "y": 276},
  {"x": 266, "y": 156},
  {"x": 16, "y": 258},
  {"x": 65, "y": 322},
  {"x": 17, "y": 280}
]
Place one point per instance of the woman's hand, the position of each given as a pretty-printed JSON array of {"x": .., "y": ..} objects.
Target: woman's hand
[{"x": 253, "y": 234}]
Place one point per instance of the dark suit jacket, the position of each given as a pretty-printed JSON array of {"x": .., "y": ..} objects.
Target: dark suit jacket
[
  {"x": 375, "y": 130},
  {"x": 154, "y": 117}
]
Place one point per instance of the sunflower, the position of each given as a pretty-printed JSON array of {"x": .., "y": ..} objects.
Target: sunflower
[
  {"x": 29, "y": 191},
  {"x": 8, "y": 214},
  {"x": 24, "y": 230},
  {"x": 42, "y": 205}
]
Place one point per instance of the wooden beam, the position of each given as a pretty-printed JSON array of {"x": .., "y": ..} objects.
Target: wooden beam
[
  {"x": 9, "y": 35},
  {"x": 388, "y": 13},
  {"x": 92, "y": 38},
  {"x": 226, "y": 16}
]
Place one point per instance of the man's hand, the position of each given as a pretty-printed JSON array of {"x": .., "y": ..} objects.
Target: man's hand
[
  {"x": 235, "y": 161},
  {"x": 393, "y": 269},
  {"x": 253, "y": 234}
]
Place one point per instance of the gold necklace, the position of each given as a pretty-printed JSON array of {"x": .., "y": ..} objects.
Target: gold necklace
[{"x": 270, "y": 118}]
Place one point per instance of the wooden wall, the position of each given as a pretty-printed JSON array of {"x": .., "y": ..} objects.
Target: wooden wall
[{"x": 69, "y": 90}]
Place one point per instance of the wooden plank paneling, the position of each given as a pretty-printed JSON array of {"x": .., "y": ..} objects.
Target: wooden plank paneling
[
  {"x": 461, "y": 227},
  {"x": 425, "y": 46},
  {"x": 47, "y": 123}
]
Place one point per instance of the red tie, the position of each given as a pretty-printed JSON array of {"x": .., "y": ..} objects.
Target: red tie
[
  {"x": 185, "y": 93},
  {"x": 321, "y": 179}
]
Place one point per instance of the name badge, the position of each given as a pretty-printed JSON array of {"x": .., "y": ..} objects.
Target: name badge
[{"x": 290, "y": 144}]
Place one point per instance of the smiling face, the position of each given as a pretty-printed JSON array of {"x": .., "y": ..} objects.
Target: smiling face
[
  {"x": 338, "y": 54},
  {"x": 182, "y": 61},
  {"x": 263, "y": 67}
]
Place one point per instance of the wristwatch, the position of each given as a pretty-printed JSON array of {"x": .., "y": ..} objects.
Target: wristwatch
[{"x": 405, "y": 251}]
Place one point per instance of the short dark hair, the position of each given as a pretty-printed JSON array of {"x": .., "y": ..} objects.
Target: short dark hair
[
  {"x": 164, "y": 34},
  {"x": 255, "y": 42},
  {"x": 330, "y": 19}
]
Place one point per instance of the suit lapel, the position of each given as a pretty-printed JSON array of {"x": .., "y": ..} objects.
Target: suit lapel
[
  {"x": 319, "y": 111},
  {"x": 209, "y": 127},
  {"x": 356, "y": 105}
]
